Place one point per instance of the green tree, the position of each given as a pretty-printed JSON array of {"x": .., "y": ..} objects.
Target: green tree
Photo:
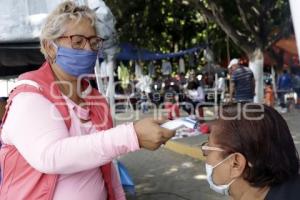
[
  {"x": 253, "y": 25},
  {"x": 171, "y": 25},
  {"x": 165, "y": 25}
]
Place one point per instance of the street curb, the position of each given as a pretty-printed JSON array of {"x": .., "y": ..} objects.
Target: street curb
[{"x": 180, "y": 148}]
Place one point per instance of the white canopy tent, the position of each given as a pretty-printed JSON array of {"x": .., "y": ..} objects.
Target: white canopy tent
[{"x": 21, "y": 22}]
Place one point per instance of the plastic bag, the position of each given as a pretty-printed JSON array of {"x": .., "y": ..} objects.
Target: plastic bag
[{"x": 125, "y": 178}]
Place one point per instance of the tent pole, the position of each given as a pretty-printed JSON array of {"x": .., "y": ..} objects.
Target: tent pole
[
  {"x": 7, "y": 92},
  {"x": 216, "y": 89},
  {"x": 111, "y": 89},
  {"x": 273, "y": 75},
  {"x": 100, "y": 85},
  {"x": 227, "y": 49}
]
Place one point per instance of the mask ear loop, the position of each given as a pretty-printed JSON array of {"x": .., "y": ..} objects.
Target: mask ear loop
[
  {"x": 229, "y": 184},
  {"x": 232, "y": 181},
  {"x": 223, "y": 161},
  {"x": 49, "y": 58}
]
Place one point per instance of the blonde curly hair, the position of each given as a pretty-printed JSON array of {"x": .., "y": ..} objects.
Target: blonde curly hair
[{"x": 55, "y": 24}]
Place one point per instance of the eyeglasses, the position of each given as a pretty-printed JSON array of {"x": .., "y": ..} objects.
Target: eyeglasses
[
  {"x": 205, "y": 148},
  {"x": 79, "y": 41}
]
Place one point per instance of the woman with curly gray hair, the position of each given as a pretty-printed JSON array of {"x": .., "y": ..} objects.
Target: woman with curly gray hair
[{"x": 63, "y": 144}]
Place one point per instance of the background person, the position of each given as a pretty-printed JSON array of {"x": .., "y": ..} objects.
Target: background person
[
  {"x": 194, "y": 98},
  {"x": 284, "y": 86},
  {"x": 242, "y": 83},
  {"x": 171, "y": 100},
  {"x": 144, "y": 102},
  {"x": 296, "y": 87},
  {"x": 269, "y": 93}
]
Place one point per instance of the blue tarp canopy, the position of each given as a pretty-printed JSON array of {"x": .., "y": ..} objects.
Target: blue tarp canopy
[
  {"x": 17, "y": 58},
  {"x": 130, "y": 52}
]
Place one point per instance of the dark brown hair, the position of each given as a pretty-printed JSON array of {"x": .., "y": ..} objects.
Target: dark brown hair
[
  {"x": 266, "y": 142},
  {"x": 192, "y": 85}
]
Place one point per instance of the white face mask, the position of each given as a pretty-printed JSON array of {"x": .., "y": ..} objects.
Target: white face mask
[{"x": 222, "y": 189}]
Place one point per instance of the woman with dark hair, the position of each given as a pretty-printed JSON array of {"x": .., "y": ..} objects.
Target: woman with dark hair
[{"x": 250, "y": 154}]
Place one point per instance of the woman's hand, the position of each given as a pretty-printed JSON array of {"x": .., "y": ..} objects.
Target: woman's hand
[{"x": 150, "y": 135}]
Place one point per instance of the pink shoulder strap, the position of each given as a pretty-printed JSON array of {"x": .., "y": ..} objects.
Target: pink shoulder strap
[{"x": 34, "y": 87}]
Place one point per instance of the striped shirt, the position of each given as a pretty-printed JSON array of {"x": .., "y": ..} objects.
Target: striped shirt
[{"x": 243, "y": 79}]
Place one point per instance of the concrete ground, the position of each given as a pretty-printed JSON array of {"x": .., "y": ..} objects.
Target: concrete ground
[
  {"x": 293, "y": 120},
  {"x": 177, "y": 170},
  {"x": 165, "y": 175}
]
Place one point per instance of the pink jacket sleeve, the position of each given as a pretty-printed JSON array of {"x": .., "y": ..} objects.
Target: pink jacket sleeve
[{"x": 44, "y": 142}]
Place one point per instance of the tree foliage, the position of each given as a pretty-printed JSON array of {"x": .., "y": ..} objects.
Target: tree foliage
[
  {"x": 251, "y": 24},
  {"x": 172, "y": 25},
  {"x": 166, "y": 25}
]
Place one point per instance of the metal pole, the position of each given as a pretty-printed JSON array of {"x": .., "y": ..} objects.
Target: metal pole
[
  {"x": 216, "y": 89},
  {"x": 7, "y": 92},
  {"x": 98, "y": 77},
  {"x": 227, "y": 48},
  {"x": 273, "y": 74},
  {"x": 111, "y": 89}
]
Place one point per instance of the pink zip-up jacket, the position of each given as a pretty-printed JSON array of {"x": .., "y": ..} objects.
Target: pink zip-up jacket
[{"x": 21, "y": 180}]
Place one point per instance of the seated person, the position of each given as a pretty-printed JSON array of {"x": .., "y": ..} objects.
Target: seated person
[
  {"x": 144, "y": 102},
  {"x": 195, "y": 98},
  {"x": 171, "y": 102},
  {"x": 250, "y": 154}
]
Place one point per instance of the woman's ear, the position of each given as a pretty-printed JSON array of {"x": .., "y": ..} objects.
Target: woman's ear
[
  {"x": 50, "y": 49},
  {"x": 238, "y": 165}
]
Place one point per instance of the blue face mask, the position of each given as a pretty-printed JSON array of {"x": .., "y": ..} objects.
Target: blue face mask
[{"x": 74, "y": 61}]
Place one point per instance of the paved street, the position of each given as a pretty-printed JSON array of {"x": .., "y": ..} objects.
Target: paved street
[
  {"x": 293, "y": 120},
  {"x": 166, "y": 175}
]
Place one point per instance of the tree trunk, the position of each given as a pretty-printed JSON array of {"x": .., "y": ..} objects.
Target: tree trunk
[{"x": 256, "y": 64}]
